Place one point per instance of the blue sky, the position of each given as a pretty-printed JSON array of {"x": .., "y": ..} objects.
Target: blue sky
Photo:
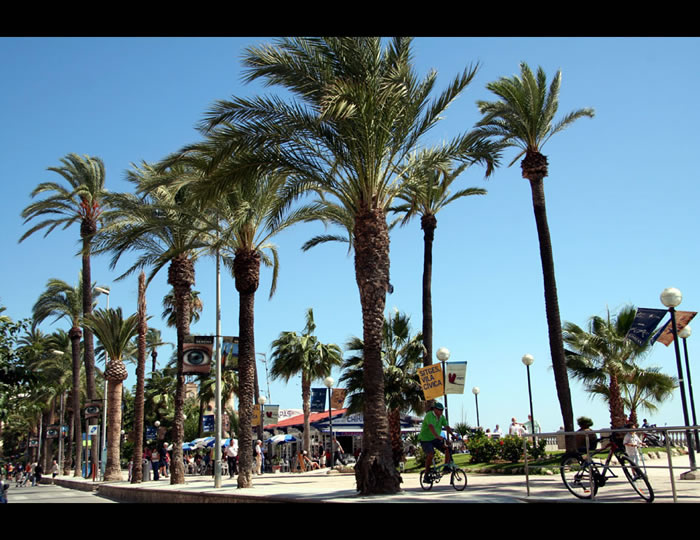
[{"x": 621, "y": 195}]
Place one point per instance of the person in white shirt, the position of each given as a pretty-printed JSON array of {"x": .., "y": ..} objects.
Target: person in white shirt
[
  {"x": 232, "y": 457},
  {"x": 515, "y": 428},
  {"x": 632, "y": 444}
]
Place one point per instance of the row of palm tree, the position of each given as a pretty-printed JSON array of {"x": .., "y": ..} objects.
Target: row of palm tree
[{"x": 352, "y": 134}]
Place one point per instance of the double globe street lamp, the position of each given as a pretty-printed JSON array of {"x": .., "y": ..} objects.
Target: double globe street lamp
[{"x": 671, "y": 298}]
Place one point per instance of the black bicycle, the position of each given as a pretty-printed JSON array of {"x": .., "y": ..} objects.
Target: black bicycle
[
  {"x": 458, "y": 478},
  {"x": 582, "y": 476}
]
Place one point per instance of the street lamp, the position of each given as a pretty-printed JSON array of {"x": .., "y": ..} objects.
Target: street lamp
[
  {"x": 328, "y": 383},
  {"x": 528, "y": 360},
  {"x": 671, "y": 297},
  {"x": 103, "y": 453},
  {"x": 476, "y": 391},
  {"x": 443, "y": 354},
  {"x": 685, "y": 334}
]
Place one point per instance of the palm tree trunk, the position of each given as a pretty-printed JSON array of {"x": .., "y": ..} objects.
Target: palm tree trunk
[
  {"x": 114, "y": 426},
  {"x": 428, "y": 223},
  {"x": 75, "y": 335},
  {"x": 617, "y": 409},
  {"x": 88, "y": 228},
  {"x": 181, "y": 278},
  {"x": 375, "y": 472},
  {"x": 137, "y": 470},
  {"x": 246, "y": 271},
  {"x": 395, "y": 430},
  {"x": 556, "y": 341},
  {"x": 306, "y": 404}
]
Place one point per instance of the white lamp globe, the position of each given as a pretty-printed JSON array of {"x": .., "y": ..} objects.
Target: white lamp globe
[
  {"x": 671, "y": 297},
  {"x": 685, "y": 333},
  {"x": 528, "y": 359},
  {"x": 443, "y": 354}
]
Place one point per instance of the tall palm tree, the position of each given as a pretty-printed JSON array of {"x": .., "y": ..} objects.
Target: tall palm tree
[
  {"x": 601, "y": 355},
  {"x": 154, "y": 340},
  {"x": 305, "y": 355},
  {"x": 523, "y": 117},
  {"x": 62, "y": 301},
  {"x": 402, "y": 354},
  {"x": 425, "y": 194},
  {"x": 115, "y": 333},
  {"x": 357, "y": 111},
  {"x": 142, "y": 326},
  {"x": 161, "y": 225},
  {"x": 82, "y": 202}
]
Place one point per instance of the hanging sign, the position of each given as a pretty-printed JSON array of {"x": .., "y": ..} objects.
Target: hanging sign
[
  {"x": 645, "y": 321},
  {"x": 197, "y": 354},
  {"x": 229, "y": 353},
  {"x": 432, "y": 381},
  {"x": 270, "y": 414},
  {"x": 318, "y": 399},
  {"x": 455, "y": 377},
  {"x": 338, "y": 398},
  {"x": 665, "y": 335}
]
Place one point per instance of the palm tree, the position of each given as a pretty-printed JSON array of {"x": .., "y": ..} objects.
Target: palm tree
[
  {"x": 425, "y": 194},
  {"x": 358, "y": 110},
  {"x": 114, "y": 333},
  {"x": 305, "y": 355},
  {"x": 62, "y": 301},
  {"x": 81, "y": 202},
  {"x": 602, "y": 355},
  {"x": 154, "y": 340},
  {"x": 161, "y": 224},
  {"x": 524, "y": 117},
  {"x": 402, "y": 354},
  {"x": 644, "y": 388},
  {"x": 170, "y": 315}
]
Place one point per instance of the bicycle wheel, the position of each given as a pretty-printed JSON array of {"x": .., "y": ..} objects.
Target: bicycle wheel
[
  {"x": 458, "y": 479},
  {"x": 575, "y": 472},
  {"x": 636, "y": 477},
  {"x": 426, "y": 480}
]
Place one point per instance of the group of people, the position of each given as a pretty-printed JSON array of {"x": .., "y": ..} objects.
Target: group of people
[
  {"x": 24, "y": 473},
  {"x": 159, "y": 459}
]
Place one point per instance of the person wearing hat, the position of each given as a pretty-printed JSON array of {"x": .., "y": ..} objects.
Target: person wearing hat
[{"x": 430, "y": 437}]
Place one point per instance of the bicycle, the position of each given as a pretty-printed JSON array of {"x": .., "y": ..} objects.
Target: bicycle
[
  {"x": 582, "y": 476},
  {"x": 458, "y": 478}
]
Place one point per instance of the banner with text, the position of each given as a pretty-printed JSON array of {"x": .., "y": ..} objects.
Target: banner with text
[
  {"x": 318, "y": 399},
  {"x": 456, "y": 375},
  {"x": 645, "y": 321},
  {"x": 432, "y": 381}
]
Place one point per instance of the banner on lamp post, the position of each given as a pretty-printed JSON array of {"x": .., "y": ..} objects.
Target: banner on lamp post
[
  {"x": 338, "y": 398},
  {"x": 271, "y": 414},
  {"x": 318, "y": 399},
  {"x": 644, "y": 323},
  {"x": 229, "y": 353},
  {"x": 665, "y": 335},
  {"x": 197, "y": 353},
  {"x": 432, "y": 381},
  {"x": 455, "y": 377}
]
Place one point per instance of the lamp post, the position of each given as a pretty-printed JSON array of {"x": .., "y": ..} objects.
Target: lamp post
[
  {"x": 528, "y": 360},
  {"x": 476, "y": 391},
  {"x": 443, "y": 354},
  {"x": 328, "y": 383},
  {"x": 671, "y": 297},
  {"x": 103, "y": 453},
  {"x": 685, "y": 334}
]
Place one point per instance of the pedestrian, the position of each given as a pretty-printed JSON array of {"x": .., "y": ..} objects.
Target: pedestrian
[
  {"x": 322, "y": 457},
  {"x": 38, "y": 471},
  {"x": 258, "y": 456},
  {"x": 529, "y": 428},
  {"x": 32, "y": 474},
  {"x": 54, "y": 471},
  {"x": 155, "y": 462},
  {"x": 338, "y": 452},
  {"x": 231, "y": 457},
  {"x": 515, "y": 428},
  {"x": 632, "y": 443},
  {"x": 164, "y": 461}
]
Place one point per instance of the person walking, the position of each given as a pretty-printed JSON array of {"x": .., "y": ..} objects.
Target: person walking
[
  {"x": 54, "y": 471},
  {"x": 338, "y": 452},
  {"x": 258, "y": 457},
  {"x": 155, "y": 462}
]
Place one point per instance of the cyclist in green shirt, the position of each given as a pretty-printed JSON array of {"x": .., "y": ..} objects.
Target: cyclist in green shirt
[{"x": 430, "y": 438}]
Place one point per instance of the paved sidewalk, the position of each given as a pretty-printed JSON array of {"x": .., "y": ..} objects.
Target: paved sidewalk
[{"x": 321, "y": 487}]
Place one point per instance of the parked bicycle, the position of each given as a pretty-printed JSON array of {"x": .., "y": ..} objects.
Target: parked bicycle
[
  {"x": 458, "y": 478},
  {"x": 582, "y": 476}
]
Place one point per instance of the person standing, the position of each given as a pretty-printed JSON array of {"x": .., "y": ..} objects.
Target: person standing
[
  {"x": 231, "y": 457},
  {"x": 515, "y": 428},
  {"x": 155, "y": 462},
  {"x": 38, "y": 471},
  {"x": 54, "y": 471},
  {"x": 258, "y": 457},
  {"x": 632, "y": 444}
]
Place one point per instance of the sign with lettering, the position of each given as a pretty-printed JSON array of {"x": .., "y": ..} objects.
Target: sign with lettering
[
  {"x": 645, "y": 321},
  {"x": 432, "y": 381}
]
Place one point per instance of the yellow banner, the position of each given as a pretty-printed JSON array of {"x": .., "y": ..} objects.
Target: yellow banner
[{"x": 432, "y": 381}]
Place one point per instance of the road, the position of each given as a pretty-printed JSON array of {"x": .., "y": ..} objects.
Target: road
[{"x": 52, "y": 494}]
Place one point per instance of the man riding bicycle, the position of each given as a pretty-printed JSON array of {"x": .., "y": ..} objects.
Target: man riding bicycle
[{"x": 430, "y": 437}]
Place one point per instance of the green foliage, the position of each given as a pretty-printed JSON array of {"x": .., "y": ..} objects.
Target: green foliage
[
  {"x": 512, "y": 448},
  {"x": 438, "y": 458},
  {"x": 482, "y": 448},
  {"x": 584, "y": 422},
  {"x": 536, "y": 451}
]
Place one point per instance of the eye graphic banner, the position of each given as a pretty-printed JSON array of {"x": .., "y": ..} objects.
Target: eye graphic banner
[{"x": 197, "y": 354}]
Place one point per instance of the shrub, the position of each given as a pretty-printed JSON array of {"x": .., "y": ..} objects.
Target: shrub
[
  {"x": 537, "y": 451},
  {"x": 512, "y": 448},
  {"x": 482, "y": 448},
  {"x": 438, "y": 457}
]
